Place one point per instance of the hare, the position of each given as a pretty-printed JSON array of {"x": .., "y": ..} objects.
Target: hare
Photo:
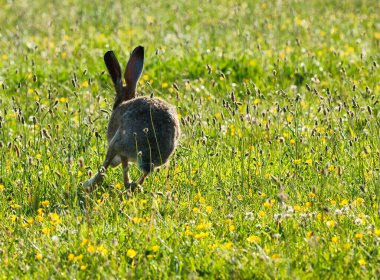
[{"x": 144, "y": 130}]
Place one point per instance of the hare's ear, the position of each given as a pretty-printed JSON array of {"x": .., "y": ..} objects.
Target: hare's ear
[
  {"x": 114, "y": 69},
  {"x": 134, "y": 69}
]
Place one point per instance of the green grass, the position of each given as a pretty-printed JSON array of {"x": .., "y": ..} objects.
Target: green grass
[{"x": 277, "y": 171}]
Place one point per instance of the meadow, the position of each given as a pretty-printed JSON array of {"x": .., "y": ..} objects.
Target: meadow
[{"x": 277, "y": 174}]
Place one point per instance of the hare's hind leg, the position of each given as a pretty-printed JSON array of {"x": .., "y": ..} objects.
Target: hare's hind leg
[
  {"x": 129, "y": 185},
  {"x": 124, "y": 162}
]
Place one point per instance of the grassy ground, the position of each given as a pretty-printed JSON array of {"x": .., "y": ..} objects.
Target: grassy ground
[{"x": 277, "y": 172}]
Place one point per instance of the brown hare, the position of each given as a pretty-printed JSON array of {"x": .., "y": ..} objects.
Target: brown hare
[{"x": 143, "y": 130}]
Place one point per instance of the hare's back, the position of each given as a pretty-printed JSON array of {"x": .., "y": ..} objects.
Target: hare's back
[{"x": 150, "y": 128}]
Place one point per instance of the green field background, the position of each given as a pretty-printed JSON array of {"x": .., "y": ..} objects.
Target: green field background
[{"x": 277, "y": 174}]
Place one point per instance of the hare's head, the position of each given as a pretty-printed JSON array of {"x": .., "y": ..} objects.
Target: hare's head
[{"x": 131, "y": 75}]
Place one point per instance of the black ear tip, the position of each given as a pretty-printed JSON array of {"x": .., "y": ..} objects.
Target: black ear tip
[
  {"x": 139, "y": 52},
  {"x": 108, "y": 55}
]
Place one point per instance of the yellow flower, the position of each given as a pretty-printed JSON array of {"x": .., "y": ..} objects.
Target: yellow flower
[
  {"x": 309, "y": 234},
  {"x": 267, "y": 204},
  {"x": 137, "y": 220},
  {"x": 55, "y": 219},
  {"x": 208, "y": 209},
  {"x": 359, "y": 236},
  {"x": 256, "y": 101},
  {"x": 155, "y": 248},
  {"x": 253, "y": 239},
  {"x": 344, "y": 202},
  {"x": 377, "y": 35},
  {"x": 297, "y": 161},
  {"x": 212, "y": 246},
  {"x": 377, "y": 232},
  {"x": 91, "y": 249},
  {"x": 39, "y": 218},
  {"x": 196, "y": 210},
  {"x": 84, "y": 242},
  {"x": 201, "y": 235},
  {"x": 78, "y": 258},
  {"x": 232, "y": 228},
  {"x": 71, "y": 257},
  {"x": 131, "y": 253},
  {"x": 330, "y": 223},
  {"x": 40, "y": 211},
  {"x": 311, "y": 194},
  {"x": 39, "y": 256},
  {"x": 347, "y": 246},
  {"x": 102, "y": 250},
  {"x": 45, "y": 203},
  {"x": 165, "y": 85},
  {"x": 362, "y": 262},
  {"x": 15, "y": 206},
  {"x": 1, "y": 187},
  {"x": 83, "y": 267},
  {"x": 228, "y": 245},
  {"x": 228, "y": 221},
  {"x": 292, "y": 141},
  {"x": 118, "y": 186},
  {"x": 359, "y": 200},
  {"x": 335, "y": 239},
  {"x": 309, "y": 161},
  {"x": 262, "y": 214},
  {"x": 85, "y": 84},
  {"x": 331, "y": 168},
  {"x": 45, "y": 230}
]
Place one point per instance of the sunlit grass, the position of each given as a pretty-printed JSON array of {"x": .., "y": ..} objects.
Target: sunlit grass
[{"x": 277, "y": 171}]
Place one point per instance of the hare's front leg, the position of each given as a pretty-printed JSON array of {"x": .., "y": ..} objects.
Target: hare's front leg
[
  {"x": 98, "y": 177},
  {"x": 111, "y": 153},
  {"x": 142, "y": 177}
]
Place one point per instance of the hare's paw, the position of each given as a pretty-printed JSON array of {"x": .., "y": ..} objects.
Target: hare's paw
[
  {"x": 90, "y": 183},
  {"x": 133, "y": 187}
]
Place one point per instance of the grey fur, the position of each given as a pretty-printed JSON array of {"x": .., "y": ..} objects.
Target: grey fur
[{"x": 143, "y": 130}]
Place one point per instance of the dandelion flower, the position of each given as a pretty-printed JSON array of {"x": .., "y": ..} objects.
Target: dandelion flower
[
  {"x": 261, "y": 214},
  {"x": 330, "y": 223},
  {"x": 228, "y": 245},
  {"x": 131, "y": 253},
  {"x": 39, "y": 256},
  {"x": 45, "y": 203},
  {"x": 359, "y": 236},
  {"x": 344, "y": 202},
  {"x": 253, "y": 239},
  {"x": 155, "y": 248}
]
